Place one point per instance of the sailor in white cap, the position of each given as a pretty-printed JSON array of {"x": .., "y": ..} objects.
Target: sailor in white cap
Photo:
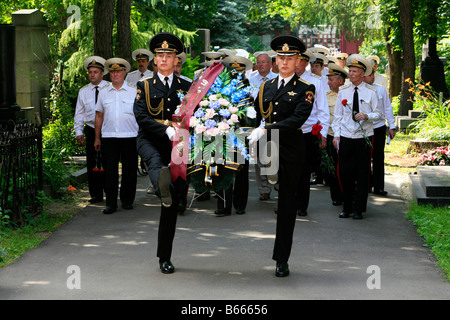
[
  {"x": 379, "y": 78},
  {"x": 336, "y": 78},
  {"x": 356, "y": 109},
  {"x": 84, "y": 121},
  {"x": 379, "y": 136},
  {"x": 182, "y": 57},
  {"x": 142, "y": 58},
  {"x": 115, "y": 134}
]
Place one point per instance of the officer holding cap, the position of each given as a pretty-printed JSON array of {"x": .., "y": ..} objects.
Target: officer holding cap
[{"x": 283, "y": 105}]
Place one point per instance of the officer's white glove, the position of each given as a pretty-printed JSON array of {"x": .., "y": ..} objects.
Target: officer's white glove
[
  {"x": 170, "y": 132},
  {"x": 251, "y": 113},
  {"x": 255, "y": 135}
]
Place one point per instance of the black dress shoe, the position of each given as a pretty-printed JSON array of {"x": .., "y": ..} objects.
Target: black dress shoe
[
  {"x": 240, "y": 211},
  {"x": 380, "y": 192},
  {"x": 302, "y": 213},
  {"x": 275, "y": 210},
  {"x": 109, "y": 210},
  {"x": 357, "y": 216},
  {"x": 166, "y": 267},
  {"x": 337, "y": 203},
  {"x": 344, "y": 214},
  {"x": 95, "y": 200},
  {"x": 222, "y": 213},
  {"x": 282, "y": 269}
]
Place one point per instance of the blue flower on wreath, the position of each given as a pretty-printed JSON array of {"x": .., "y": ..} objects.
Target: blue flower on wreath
[
  {"x": 199, "y": 113},
  {"x": 225, "y": 113},
  {"x": 209, "y": 124},
  {"x": 214, "y": 104}
]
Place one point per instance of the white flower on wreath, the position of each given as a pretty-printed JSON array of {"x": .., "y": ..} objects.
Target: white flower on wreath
[
  {"x": 212, "y": 97},
  {"x": 210, "y": 113},
  {"x": 224, "y": 102},
  {"x": 204, "y": 103},
  {"x": 233, "y": 109}
]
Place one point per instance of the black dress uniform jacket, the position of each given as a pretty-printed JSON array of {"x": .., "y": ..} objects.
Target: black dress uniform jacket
[
  {"x": 154, "y": 106},
  {"x": 286, "y": 110}
]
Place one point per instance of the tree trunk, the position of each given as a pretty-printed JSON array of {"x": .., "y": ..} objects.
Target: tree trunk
[
  {"x": 409, "y": 65},
  {"x": 123, "y": 11},
  {"x": 103, "y": 28},
  {"x": 395, "y": 68}
]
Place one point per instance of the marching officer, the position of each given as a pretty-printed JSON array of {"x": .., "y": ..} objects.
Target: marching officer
[
  {"x": 285, "y": 103},
  {"x": 142, "y": 58},
  {"x": 156, "y": 101},
  {"x": 356, "y": 109},
  {"x": 85, "y": 115}
]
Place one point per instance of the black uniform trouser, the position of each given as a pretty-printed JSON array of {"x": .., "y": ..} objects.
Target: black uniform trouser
[
  {"x": 123, "y": 150},
  {"x": 96, "y": 182},
  {"x": 332, "y": 179},
  {"x": 354, "y": 171},
  {"x": 236, "y": 195},
  {"x": 310, "y": 156},
  {"x": 379, "y": 140},
  {"x": 288, "y": 176},
  {"x": 168, "y": 222},
  {"x": 155, "y": 158}
]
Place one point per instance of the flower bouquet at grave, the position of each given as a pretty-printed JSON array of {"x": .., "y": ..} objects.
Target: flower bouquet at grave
[{"x": 214, "y": 143}]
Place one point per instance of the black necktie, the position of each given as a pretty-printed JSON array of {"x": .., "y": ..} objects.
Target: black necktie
[
  {"x": 166, "y": 79},
  {"x": 96, "y": 94},
  {"x": 281, "y": 86},
  {"x": 355, "y": 103},
  {"x": 142, "y": 75}
]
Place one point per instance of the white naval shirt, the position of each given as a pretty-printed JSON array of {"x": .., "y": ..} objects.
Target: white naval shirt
[
  {"x": 385, "y": 107},
  {"x": 320, "y": 111},
  {"x": 134, "y": 76},
  {"x": 257, "y": 80},
  {"x": 117, "y": 108},
  {"x": 343, "y": 124},
  {"x": 85, "y": 109},
  {"x": 381, "y": 80}
]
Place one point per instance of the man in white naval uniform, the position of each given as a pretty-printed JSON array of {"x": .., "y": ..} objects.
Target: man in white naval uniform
[
  {"x": 356, "y": 109},
  {"x": 379, "y": 136},
  {"x": 142, "y": 58},
  {"x": 84, "y": 121}
]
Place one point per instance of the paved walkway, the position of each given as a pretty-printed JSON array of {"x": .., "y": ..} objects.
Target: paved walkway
[{"x": 230, "y": 257}]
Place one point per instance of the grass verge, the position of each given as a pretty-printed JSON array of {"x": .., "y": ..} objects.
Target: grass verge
[
  {"x": 433, "y": 224},
  {"x": 16, "y": 241}
]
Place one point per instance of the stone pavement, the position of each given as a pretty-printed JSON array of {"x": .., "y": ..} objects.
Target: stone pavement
[{"x": 114, "y": 256}]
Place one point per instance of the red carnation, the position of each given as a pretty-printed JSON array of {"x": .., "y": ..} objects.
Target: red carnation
[{"x": 344, "y": 102}]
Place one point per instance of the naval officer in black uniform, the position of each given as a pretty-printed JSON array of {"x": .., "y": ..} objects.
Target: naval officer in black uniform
[
  {"x": 284, "y": 104},
  {"x": 156, "y": 102}
]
